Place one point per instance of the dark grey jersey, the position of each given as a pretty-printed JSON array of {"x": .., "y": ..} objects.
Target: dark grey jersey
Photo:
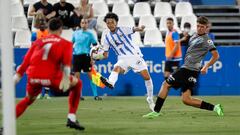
[{"x": 198, "y": 48}]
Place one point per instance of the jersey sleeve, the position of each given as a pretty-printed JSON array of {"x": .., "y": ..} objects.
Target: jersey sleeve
[
  {"x": 211, "y": 45},
  {"x": 36, "y": 6},
  {"x": 26, "y": 61},
  {"x": 71, "y": 7},
  {"x": 55, "y": 7},
  {"x": 50, "y": 8},
  {"x": 67, "y": 53},
  {"x": 106, "y": 44},
  {"x": 127, "y": 30},
  {"x": 175, "y": 36}
]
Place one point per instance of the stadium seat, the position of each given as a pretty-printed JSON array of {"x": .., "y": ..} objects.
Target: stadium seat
[
  {"x": 28, "y": 2},
  {"x": 141, "y": 9},
  {"x": 162, "y": 9},
  {"x": 17, "y": 9},
  {"x": 19, "y": 23},
  {"x": 121, "y": 9},
  {"x": 153, "y": 37},
  {"x": 148, "y": 21},
  {"x": 67, "y": 34},
  {"x": 101, "y": 25},
  {"x": 183, "y": 9},
  {"x": 163, "y": 23},
  {"x": 111, "y": 2},
  {"x": 192, "y": 19},
  {"x": 126, "y": 21},
  {"x": 136, "y": 38},
  {"x": 22, "y": 39},
  {"x": 94, "y": 1},
  {"x": 130, "y": 2},
  {"x": 53, "y": 1},
  {"x": 15, "y": 1},
  {"x": 100, "y": 9}
]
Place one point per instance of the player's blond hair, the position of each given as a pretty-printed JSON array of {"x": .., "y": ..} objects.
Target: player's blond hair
[{"x": 39, "y": 19}]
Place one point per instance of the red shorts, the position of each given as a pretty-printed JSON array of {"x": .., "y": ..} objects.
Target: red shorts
[{"x": 34, "y": 85}]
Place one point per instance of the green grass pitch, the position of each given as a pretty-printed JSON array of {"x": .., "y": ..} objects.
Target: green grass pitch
[{"x": 123, "y": 116}]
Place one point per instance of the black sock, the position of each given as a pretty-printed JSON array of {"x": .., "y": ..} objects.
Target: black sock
[
  {"x": 159, "y": 104},
  {"x": 207, "y": 106}
]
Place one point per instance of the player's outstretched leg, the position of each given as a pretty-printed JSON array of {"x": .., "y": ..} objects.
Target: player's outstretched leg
[
  {"x": 74, "y": 99},
  {"x": 159, "y": 102},
  {"x": 22, "y": 105},
  {"x": 149, "y": 86},
  {"x": 188, "y": 100},
  {"x": 106, "y": 82}
]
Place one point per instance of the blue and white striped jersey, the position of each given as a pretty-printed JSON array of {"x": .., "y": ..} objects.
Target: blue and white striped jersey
[{"x": 121, "y": 42}]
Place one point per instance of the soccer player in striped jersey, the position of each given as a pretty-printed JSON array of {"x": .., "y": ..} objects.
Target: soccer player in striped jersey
[{"x": 129, "y": 55}]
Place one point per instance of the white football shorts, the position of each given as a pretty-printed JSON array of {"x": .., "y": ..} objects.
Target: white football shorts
[{"x": 136, "y": 63}]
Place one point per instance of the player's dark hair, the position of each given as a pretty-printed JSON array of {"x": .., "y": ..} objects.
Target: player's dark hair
[
  {"x": 170, "y": 19},
  {"x": 55, "y": 24},
  {"x": 111, "y": 16},
  {"x": 203, "y": 20}
]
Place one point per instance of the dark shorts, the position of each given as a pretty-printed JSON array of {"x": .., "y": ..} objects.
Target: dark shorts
[
  {"x": 183, "y": 78},
  {"x": 82, "y": 63},
  {"x": 171, "y": 66}
]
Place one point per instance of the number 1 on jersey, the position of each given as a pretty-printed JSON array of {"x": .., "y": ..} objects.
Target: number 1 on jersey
[{"x": 46, "y": 48}]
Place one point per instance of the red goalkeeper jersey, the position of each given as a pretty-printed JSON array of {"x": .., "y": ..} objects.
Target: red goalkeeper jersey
[{"x": 46, "y": 57}]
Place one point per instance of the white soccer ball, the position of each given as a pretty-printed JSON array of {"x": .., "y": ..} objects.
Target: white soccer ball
[{"x": 97, "y": 53}]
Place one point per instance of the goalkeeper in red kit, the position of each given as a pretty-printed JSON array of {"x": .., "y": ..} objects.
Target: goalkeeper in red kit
[{"x": 47, "y": 64}]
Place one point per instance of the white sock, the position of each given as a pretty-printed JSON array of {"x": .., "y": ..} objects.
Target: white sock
[
  {"x": 149, "y": 86},
  {"x": 72, "y": 117},
  {"x": 113, "y": 77}
]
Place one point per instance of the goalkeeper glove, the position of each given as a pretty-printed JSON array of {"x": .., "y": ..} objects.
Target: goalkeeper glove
[
  {"x": 17, "y": 77},
  {"x": 64, "y": 84}
]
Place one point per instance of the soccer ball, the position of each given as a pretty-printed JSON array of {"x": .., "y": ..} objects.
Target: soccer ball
[{"x": 96, "y": 53}]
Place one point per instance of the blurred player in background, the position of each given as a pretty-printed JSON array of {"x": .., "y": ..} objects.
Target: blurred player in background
[
  {"x": 82, "y": 40},
  {"x": 173, "y": 51},
  {"x": 185, "y": 35},
  {"x": 47, "y": 64},
  {"x": 129, "y": 55},
  {"x": 186, "y": 77},
  {"x": 40, "y": 24}
]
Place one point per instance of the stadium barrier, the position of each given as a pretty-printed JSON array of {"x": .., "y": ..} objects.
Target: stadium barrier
[{"x": 222, "y": 78}]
